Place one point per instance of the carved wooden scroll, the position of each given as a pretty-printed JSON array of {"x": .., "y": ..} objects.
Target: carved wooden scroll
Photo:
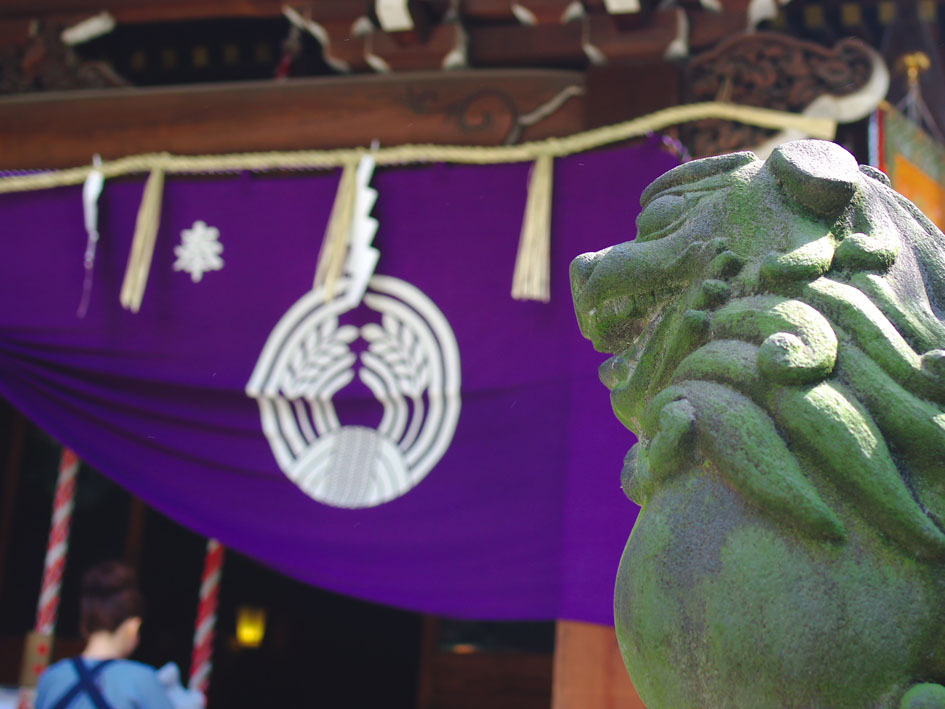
[{"x": 772, "y": 71}]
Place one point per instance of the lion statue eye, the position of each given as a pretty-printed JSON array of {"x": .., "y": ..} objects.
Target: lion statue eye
[{"x": 659, "y": 214}]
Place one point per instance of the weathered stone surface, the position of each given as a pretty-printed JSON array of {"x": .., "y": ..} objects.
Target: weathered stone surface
[{"x": 778, "y": 332}]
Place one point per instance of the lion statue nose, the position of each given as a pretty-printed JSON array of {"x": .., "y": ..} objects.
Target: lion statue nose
[{"x": 581, "y": 269}]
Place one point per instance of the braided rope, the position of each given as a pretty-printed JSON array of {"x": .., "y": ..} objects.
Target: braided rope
[
  {"x": 404, "y": 154},
  {"x": 57, "y": 548},
  {"x": 201, "y": 662}
]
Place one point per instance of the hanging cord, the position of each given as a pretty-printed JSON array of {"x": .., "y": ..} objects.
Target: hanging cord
[
  {"x": 346, "y": 247},
  {"x": 913, "y": 104},
  {"x": 531, "y": 278},
  {"x": 142, "y": 244},
  {"x": 331, "y": 257}
]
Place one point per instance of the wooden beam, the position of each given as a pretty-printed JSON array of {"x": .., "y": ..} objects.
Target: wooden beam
[
  {"x": 137, "y": 11},
  {"x": 488, "y": 10},
  {"x": 588, "y": 669},
  {"x": 619, "y": 92},
  {"x": 471, "y": 108},
  {"x": 514, "y": 44}
]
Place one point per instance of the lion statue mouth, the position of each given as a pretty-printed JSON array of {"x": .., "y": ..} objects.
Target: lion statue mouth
[
  {"x": 622, "y": 294},
  {"x": 777, "y": 327}
]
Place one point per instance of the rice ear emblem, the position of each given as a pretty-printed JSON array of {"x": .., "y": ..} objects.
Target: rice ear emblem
[{"x": 410, "y": 364}]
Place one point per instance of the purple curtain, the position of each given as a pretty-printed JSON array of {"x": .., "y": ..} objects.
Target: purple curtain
[{"x": 519, "y": 514}]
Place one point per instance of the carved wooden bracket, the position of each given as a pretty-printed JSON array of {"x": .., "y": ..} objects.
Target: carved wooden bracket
[{"x": 776, "y": 71}]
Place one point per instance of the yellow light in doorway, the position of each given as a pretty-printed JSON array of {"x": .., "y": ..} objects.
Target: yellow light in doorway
[
  {"x": 250, "y": 626},
  {"x": 464, "y": 649}
]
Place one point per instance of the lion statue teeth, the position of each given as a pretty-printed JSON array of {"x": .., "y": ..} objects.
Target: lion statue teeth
[{"x": 778, "y": 340}]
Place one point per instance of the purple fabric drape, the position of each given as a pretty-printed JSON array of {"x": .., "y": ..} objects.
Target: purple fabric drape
[{"x": 522, "y": 516}]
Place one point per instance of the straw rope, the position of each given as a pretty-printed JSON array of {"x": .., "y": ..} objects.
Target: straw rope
[
  {"x": 331, "y": 258},
  {"x": 532, "y": 274},
  {"x": 143, "y": 241},
  {"x": 403, "y": 154}
]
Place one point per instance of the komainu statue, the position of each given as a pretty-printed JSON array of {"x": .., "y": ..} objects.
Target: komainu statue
[{"x": 779, "y": 350}]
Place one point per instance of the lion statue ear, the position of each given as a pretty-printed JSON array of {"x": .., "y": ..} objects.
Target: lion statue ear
[{"x": 820, "y": 176}]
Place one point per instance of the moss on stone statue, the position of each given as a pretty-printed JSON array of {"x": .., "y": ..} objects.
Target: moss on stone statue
[{"x": 779, "y": 348}]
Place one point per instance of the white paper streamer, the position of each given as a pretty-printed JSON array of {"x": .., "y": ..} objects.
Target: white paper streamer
[
  {"x": 523, "y": 14},
  {"x": 88, "y": 29},
  {"x": 393, "y": 15},
  {"x": 318, "y": 32},
  {"x": 91, "y": 190},
  {"x": 679, "y": 46},
  {"x": 620, "y": 7}
]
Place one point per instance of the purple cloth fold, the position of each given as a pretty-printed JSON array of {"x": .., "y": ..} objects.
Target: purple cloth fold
[{"x": 521, "y": 518}]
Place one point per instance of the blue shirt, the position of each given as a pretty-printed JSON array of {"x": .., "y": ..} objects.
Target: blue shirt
[{"x": 125, "y": 684}]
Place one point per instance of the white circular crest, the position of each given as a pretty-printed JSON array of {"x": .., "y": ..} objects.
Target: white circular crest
[{"x": 410, "y": 364}]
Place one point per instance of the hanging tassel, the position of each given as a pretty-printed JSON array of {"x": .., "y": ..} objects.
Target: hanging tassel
[
  {"x": 142, "y": 245},
  {"x": 331, "y": 257},
  {"x": 531, "y": 280}
]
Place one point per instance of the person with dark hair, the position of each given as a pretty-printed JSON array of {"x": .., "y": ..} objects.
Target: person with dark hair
[{"x": 102, "y": 677}]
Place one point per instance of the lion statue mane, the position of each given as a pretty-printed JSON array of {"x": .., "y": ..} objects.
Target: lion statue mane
[{"x": 779, "y": 350}]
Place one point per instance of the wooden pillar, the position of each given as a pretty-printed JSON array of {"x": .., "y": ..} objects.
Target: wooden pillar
[
  {"x": 137, "y": 513},
  {"x": 11, "y": 479},
  {"x": 428, "y": 650},
  {"x": 588, "y": 670}
]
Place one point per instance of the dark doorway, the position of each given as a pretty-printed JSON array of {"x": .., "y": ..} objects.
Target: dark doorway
[{"x": 319, "y": 648}]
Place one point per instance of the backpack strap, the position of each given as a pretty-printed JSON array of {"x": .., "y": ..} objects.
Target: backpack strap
[{"x": 85, "y": 684}]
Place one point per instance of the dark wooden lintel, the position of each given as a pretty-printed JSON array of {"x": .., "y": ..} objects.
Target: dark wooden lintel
[
  {"x": 137, "y": 11},
  {"x": 472, "y": 108}
]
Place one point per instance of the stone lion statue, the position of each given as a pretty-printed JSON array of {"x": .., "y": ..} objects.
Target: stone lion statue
[{"x": 779, "y": 350}]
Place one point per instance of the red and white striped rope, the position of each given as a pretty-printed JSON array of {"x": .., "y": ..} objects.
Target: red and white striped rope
[
  {"x": 27, "y": 698},
  {"x": 57, "y": 549},
  {"x": 202, "y": 660},
  {"x": 58, "y": 544}
]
